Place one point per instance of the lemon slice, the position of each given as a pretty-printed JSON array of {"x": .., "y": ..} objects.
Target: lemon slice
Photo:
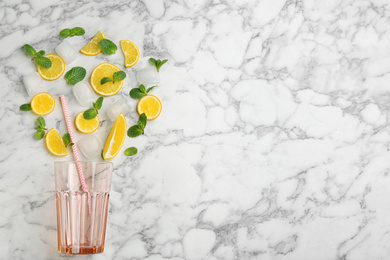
[
  {"x": 55, "y": 144},
  {"x": 116, "y": 138},
  {"x": 105, "y": 70},
  {"x": 86, "y": 126},
  {"x": 131, "y": 52},
  {"x": 42, "y": 104},
  {"x": 92, "y": 48},
  {"x": 150, "y": 105},
  {"x": 55, "y": 71}
]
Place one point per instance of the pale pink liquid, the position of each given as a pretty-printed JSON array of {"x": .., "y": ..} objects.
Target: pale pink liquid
[{"x": 80, "y": 232}]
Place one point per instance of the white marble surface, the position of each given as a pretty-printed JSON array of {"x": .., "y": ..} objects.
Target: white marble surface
[{"x": 273, "y": 142}]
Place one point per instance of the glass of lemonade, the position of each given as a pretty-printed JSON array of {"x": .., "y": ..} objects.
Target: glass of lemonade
[{"x": 80, "y": 230}]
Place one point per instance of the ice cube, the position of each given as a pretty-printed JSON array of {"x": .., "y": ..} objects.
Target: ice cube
[
  {"x": 83, "y": 94},
  {"x": 67, "y": 52},
  {"x": 121, "y": 105},
  {"x": 148, "y": 76},
  {"x": 34, "y": 84},
  {"x": 90, "y": 146}
]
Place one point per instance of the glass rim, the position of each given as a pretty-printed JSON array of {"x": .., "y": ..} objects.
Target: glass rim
[{"x": 74, "y": 162}]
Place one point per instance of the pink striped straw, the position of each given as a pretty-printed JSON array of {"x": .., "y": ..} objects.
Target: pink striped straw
[{"x": 75, "y": 151}]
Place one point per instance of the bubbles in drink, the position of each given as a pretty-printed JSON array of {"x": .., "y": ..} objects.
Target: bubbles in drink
[
  {"x": 34, "y": 84},
  {"x": 90, "y": 146},
  {"x": 67, "y": 51},
  {"x": 121, "y": 105},
  {"x": 148, "y": 76},
  {"x": 83, "y": 94}
]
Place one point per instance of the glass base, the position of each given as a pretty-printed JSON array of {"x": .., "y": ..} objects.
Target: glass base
[{"x": 82, "y": 250}]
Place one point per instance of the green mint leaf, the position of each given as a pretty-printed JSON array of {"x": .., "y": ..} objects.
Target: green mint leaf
[
  {"x": 134, "y": 131},
  {"x": 159, "y": 63},
  {"x": 76, "y": 74},
  {"x": 142, "y": 121},
  {"x": 99, "y": 103},
  {"x": 43, "y": 62},
  {"x": 136, "y": 93},
  {"x": 118, "y": 76},
  {"x": 40, "y": 122},
  {"x": 152, "y": 61},
  {"x": 41, "y": 52},
  {"x": 149, "y": 89},
  {"x": 65, "y": 33},
  {"x": 94, "y": 105},
  {"x": 71, "y": 144},
  {"x": 30, "y": 50},
  {"x": 66, "y": 139},
  {"x": 102, "y": 155},
  {"x": 105, "y": 80},
  {"x": 25, "y": 107},
  {"x": 142, "y": 88},
  {"x": 107, "y": 46},
  {"x": 89, "y": 114},
  {"x": 78, "y": 31},
  {"x": 131, "y": 151},
  {"x": 39, "y": 134}
]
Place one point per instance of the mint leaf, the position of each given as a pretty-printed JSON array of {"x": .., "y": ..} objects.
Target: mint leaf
[
  {"x": 66, "y": 139},
  {"x": 157, "y": 63},
  {"x": 131, "y": 151},
  {"x": 89, "y": 114},
  {"x": 39, "y": 134},
  {"x": 118, "y": 76},
  {"x": 152, "y": 61},
  {"x": 134, "y": 131},
  {"x": 25, "y": 107},
  {"x": 99, "y": 103},
  {"x": 30, "y": 50},
  {"x": 149, "y": 89},
  {"x": 76, "y": 74},
  {"x": 102, "y": 155},
  {"x": 40, "y": 122},
  {"x": 41, "y": 53},
  {"x": 142, "y": 88},
  {"x": 78, "y": 31},
  {"x": 65, "y": 33},
  {"x": 105, "y": 80},
  {"x": 142, "y": 121},
  {"x": 43, "y": 62},
  {"x": 136, "y": 93},
  {"x": 107, "y": 46}
]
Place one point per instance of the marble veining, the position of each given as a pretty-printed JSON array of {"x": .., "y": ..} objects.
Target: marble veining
[{"x": 273, "y": 142}]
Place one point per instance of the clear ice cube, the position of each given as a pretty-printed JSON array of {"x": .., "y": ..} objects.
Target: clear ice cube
[
  {"x": 83, "y": 94},
  {"x": 148, "y": 76},
  {"x": 34, "y": 84},
  {"x": 67, "y": 51},
  {"x": 90, "y": 146},
  {"x": 121, "y": 105}
]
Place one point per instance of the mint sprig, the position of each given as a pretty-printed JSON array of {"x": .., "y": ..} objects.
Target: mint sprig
[
  {"x": 25, "y": 107},
  {"x": 139, "y": 92},
  {"x": 75, "y": 75},
  {"x": 76, "y": 31},
  {"x": 117, "y": 76},
  {"x": 139, "y": 128},
  {"x": 38, "y": 56},
  {"x": 157, "y": 63},
  {"x": 41, "y": 124},
  {"x": 67, "y": 140},
  {"x": 93, "y": 112},
  {"x": 107, "y": 46},
  {"x": 131, "y": 151}
]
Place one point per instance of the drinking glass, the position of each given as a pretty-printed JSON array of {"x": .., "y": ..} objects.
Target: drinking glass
[{"x": 82, "y": 230}]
